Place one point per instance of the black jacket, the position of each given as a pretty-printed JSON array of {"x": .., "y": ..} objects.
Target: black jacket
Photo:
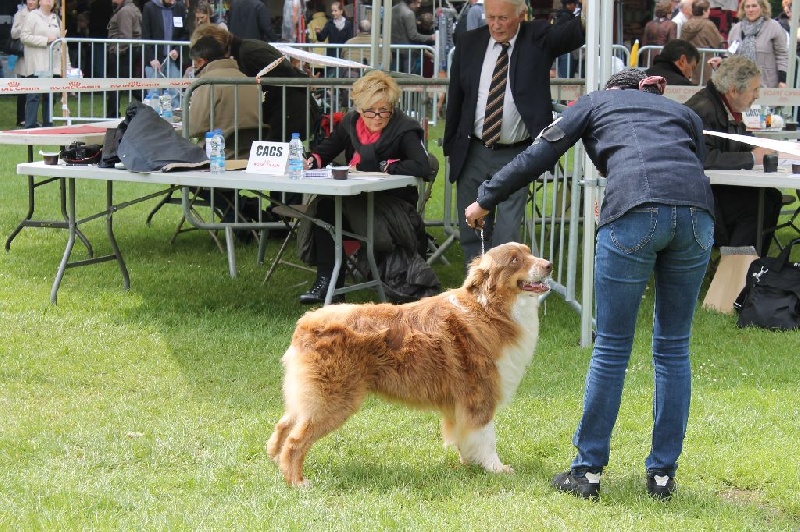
[
  {"x": 251, "y": 56},
  {"x": 250, "y": 19},
  {"x": 721, "y": 154},
  {"x": 538, "y": 44},
  {"x": 667, "y": 70},
  {"x": 401, "y": 139},
  {"x": 153, "y": 28}
]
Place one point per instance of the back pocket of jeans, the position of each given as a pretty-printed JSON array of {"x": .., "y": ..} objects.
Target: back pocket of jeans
[{"x": 635, "y": 229}]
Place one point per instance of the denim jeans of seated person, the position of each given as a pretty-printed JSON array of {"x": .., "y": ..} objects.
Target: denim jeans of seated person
[{"x": 673, "y": 243}]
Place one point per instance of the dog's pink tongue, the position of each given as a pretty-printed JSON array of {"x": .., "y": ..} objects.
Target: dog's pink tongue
[{"x": 528, "y": 286}]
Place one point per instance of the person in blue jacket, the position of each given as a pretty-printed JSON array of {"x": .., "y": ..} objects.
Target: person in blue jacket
[{"x": 656, "y": 220}]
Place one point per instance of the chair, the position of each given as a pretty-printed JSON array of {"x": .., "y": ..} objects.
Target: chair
[
  {"x": 793, "y": 221},
  {"x": 292, "y": 216}
]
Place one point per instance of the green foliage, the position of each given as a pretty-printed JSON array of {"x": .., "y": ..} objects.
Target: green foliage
[{"x": 149, "y": 409}]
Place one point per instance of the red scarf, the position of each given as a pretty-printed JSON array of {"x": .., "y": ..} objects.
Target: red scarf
[
  {"x": 737, "y": 117},
  {"x": 365, "y": 136}
]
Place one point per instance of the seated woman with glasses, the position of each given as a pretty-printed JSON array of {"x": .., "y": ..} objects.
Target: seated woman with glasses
[{"x": 376, "y": 137}]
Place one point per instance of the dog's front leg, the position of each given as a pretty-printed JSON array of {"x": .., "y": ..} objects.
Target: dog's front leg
[{"x": 479, "y": 446}]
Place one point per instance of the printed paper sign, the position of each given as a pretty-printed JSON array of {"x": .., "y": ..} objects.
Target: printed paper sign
[{"x": 268, "y": 158}]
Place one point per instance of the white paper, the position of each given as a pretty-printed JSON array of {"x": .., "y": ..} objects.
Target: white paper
[{"x": 783, "y": 146}]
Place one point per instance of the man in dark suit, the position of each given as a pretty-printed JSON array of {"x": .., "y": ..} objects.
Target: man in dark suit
[
  {"x": 526, "y": 108},
  {"x": 164, "y": 20}
]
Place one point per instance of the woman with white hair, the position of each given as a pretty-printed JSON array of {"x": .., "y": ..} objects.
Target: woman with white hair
[{"x": 657, "y": 221}]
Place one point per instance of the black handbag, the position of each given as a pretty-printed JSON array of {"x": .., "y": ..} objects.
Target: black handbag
[
  {"x": 771, "y": 295},
  {"x": 14, "y": 47}
]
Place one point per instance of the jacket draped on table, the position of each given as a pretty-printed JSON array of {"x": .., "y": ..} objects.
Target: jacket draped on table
[
  {"x": 721, "y": 154},
  {"x": 626, "y": 134},
  {"x": 772, "y": 55},
  {"x": 36, "y": 29}
]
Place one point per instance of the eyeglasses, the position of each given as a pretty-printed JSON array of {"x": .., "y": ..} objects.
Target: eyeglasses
[{"x": 373, "y": 114}]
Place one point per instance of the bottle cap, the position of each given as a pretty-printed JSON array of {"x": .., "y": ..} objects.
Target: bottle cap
[
  {"x": 295, "y": 135},
  {"x": 209, "y": 134}
]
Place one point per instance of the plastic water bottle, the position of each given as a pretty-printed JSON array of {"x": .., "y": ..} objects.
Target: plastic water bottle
[
  {"x": 295, "y": 163},
  {"x": 209, "y": 136},
  {"x": 217, "y": 153},
  {"x": 165, "y": 102},
  {"x": 152, "y": 100}
]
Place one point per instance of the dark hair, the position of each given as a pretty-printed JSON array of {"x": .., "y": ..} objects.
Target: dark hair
[
  {"x": 207, "y": 48},
  {"x": 675, "y": 48},
  {"x": 629, "y": 78},
  {"x": 699, "y": 7}
]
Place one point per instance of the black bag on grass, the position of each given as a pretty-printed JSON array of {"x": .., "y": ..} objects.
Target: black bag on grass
[{"x": 771, "y": 295}]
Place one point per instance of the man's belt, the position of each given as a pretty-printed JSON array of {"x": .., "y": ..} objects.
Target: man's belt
[{"x": 498, "y": 146}]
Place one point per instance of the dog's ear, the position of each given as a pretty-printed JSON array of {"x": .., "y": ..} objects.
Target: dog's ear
[{"x": 479, "y": 278}]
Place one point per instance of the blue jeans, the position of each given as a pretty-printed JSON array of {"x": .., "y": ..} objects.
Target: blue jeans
[{"x": 673, "y": 243}]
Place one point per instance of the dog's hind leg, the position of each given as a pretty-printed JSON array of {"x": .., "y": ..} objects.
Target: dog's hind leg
[
  {"x": 282, "y": 429},
  {"x": 328, "y": 415},
  {"x": 479, "y": 446}
]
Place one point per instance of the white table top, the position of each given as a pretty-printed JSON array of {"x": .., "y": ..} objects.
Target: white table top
[
  {"x": 783, "y": 178},
  {"x": 355, "y": 184},
  {"x": 90, "y": 133}
]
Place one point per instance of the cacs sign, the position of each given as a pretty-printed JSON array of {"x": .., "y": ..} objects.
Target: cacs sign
[{"x": 268, "y": 158}]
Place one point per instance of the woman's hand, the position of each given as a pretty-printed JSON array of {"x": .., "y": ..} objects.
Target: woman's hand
[{"x": 475, "y": 215}]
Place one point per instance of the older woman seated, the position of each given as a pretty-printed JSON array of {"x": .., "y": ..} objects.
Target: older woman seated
[{"x": 376, "y": 137}]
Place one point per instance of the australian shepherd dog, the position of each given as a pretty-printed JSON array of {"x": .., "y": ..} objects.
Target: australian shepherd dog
[{"x": 462, "y": 353}]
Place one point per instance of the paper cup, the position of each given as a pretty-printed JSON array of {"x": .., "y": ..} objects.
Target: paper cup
[{"x": 340, "y": 172}]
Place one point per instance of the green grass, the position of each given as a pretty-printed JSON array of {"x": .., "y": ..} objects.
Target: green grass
[{"x": 149, "y": 409}]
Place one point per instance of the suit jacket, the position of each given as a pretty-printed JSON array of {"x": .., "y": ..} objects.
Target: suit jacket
[{"x": 538, "y": 44}]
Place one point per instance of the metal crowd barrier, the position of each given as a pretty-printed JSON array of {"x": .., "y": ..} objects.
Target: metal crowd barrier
[{"x": 127, "y": 58}]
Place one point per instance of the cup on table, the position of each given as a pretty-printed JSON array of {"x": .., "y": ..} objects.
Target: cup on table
[
  {"x": 770, "y": 163},
  {"x": 340, "y": 172}
]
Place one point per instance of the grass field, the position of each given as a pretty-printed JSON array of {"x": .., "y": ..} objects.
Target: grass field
[{"x": 150, "y": 408}]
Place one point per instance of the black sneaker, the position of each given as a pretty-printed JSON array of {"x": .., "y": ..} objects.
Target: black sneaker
[
  {"x": 586, "y": 485},
  {"x": 660, "y": 487}
]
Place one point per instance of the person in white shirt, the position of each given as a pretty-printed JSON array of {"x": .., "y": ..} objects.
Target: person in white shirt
[{"x": 684, "y": 14}]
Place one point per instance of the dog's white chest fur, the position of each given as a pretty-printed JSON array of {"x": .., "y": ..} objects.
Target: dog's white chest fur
[{"x": 515, "y": 357}]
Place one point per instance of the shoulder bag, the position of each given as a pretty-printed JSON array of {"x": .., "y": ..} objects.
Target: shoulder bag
[{"x": 771, "y": 295}]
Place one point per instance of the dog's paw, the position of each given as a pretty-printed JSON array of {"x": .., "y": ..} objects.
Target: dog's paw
[{"x": 500, "y": 468}]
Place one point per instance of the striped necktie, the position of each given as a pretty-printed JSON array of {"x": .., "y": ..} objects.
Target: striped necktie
[{"x": 493, "y": 116}]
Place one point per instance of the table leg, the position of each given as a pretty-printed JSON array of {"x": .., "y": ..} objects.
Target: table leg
[
  {"x": 110, "y": 209},
  {"x": 71, "y": 226},
  {"x": 29, "y": 222},
  {"x": 229, "y": 238},
  {"x": 370, "y": 245},
  {"x": 337, "y": 249}
]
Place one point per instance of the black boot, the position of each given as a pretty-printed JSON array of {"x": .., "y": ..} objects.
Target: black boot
[{"x": 318, "y": 292}]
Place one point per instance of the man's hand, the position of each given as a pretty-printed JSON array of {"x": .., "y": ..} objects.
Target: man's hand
[
  {"x": 475, "y": 215},
  {"x": 173, "y": 54},
  {"x": 156, "y": 64}
]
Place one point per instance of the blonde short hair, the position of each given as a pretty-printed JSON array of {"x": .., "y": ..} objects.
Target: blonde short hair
[
  {"x": 374, "y": 86},
  {"x": 766, "y": 9},
  {"x": 223, "y": 36}
]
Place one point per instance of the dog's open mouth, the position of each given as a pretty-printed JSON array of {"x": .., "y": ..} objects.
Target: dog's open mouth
[{"x": 539, "y": 287}]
